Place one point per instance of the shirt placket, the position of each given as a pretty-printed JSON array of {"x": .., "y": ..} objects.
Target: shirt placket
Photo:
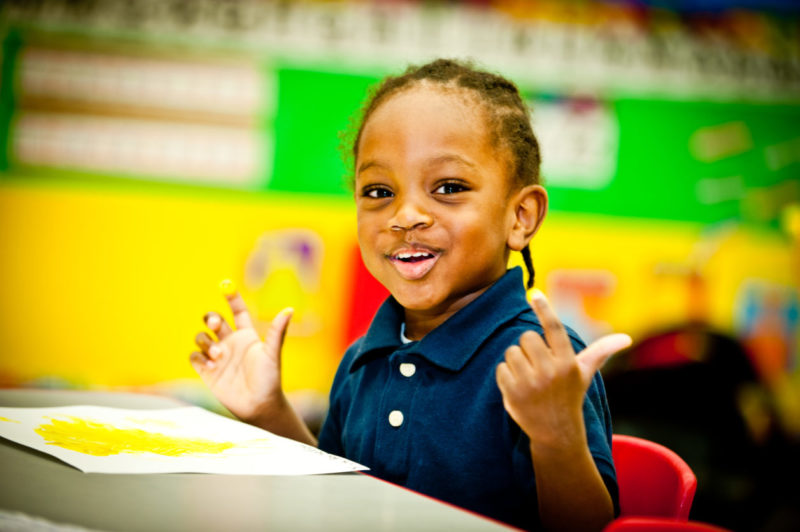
[{"x": 396, "y": 414}]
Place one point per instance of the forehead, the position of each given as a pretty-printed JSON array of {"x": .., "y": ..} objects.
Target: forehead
[
  {"x": 426, "y": 117},
  {"x": 455, "y": 105}
]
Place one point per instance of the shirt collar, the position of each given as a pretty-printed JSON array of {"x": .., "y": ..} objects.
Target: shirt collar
[{"x": 453, "y": 343}]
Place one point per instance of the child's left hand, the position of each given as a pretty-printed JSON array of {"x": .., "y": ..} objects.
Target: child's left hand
[{"x": 543, "y": 384}]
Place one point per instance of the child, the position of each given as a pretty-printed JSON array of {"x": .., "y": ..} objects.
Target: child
[{"x": 457, "y": 390}]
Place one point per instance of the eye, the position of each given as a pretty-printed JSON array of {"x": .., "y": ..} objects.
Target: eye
[
  {"x": 450, "y": 188},
  {"x": 377, "y": 192}
]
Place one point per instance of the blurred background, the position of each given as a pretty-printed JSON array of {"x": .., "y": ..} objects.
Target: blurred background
[{"x": 155, "y": 147}]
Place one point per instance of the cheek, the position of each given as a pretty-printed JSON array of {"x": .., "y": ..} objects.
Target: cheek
[
  {"x": 364, "y": 240},
  {"x": 363, "y": 223},
  {"x": 485, "y": 226},
  {"x": 368, "y": 234}
]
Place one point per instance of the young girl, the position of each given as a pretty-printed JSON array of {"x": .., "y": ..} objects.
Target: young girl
[{"x": 459, "y": 389}]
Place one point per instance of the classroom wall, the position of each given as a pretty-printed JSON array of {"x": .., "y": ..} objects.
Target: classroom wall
[
  {"x": 153, "y": 148},
  {"x": 143, "y": 166}
]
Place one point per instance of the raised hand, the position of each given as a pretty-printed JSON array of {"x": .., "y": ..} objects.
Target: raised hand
[
  {"x": 243, "y": 371},
  {"x": 543, "y": 384},
  {"x": 543, "y": 387}
]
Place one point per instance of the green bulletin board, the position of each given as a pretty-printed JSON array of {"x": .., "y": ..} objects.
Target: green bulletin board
[
  {"x": 661, "y": 173},
  {"x": 313, "y": 109},
  {"x": 678, "y": 160}
]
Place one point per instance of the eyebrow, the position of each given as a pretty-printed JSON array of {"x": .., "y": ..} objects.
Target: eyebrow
[
  {"x": 367, "y": 165},
  {"x": 441, "y": 159},
  {"x": 449, "y": 158}
]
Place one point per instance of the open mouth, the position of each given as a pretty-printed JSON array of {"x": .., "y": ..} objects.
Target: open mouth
[
  {"x": 414, "y": 257},
  {"x": 413, "y": 263}
]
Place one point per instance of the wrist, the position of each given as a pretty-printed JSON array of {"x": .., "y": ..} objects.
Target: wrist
[
  {"x": 562, "y": 438},
  {"x": 270, "y": 411}
]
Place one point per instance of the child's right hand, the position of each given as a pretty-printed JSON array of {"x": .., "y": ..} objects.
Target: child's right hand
[{"x": 243, "y": 372}]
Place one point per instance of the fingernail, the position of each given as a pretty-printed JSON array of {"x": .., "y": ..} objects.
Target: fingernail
[
  {"x": 214, "y": 351},
  {"x": 227, "y": 287},
  {"x": 537, "y": 294},
  {"x": 213, "y": 321}
]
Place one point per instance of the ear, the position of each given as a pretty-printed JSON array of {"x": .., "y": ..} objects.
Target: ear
[{"x": 529, "y": 209}]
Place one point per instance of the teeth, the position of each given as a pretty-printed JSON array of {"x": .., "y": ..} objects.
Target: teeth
[{"x": 417, "y": 254}]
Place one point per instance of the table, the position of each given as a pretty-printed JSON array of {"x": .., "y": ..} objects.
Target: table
[{"x": 43, "y": 487}]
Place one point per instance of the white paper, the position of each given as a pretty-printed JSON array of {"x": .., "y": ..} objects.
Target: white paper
[{"x": 98, "y": 439}]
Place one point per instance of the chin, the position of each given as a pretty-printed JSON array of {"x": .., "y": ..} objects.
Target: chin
[{"x": 416, "y": 301}]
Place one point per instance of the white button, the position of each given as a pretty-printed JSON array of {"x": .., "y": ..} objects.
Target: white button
[
  {"x": 407, "y": 369},
  {"x": 395, "y": 418}
]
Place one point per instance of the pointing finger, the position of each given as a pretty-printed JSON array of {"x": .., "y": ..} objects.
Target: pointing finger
[{"x": 554, "y": 331}]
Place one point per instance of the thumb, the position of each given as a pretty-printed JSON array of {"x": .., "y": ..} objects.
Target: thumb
[
  {"x": 273, "y": 342},
  {"x": 594, "y": 356}
]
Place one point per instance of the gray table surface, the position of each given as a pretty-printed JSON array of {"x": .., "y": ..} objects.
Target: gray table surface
[{"x": 34, "y": 484}]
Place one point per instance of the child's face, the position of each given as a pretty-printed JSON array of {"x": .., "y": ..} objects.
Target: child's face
[{"x": 432, "y": 197}]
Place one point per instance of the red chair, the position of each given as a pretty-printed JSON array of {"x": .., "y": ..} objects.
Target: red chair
[
  {"x": 659, "y": 524},
  {"x": 653, "y": 480}
]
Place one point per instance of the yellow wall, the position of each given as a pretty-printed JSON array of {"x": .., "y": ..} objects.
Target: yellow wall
[{"x": 107, "y": 286}]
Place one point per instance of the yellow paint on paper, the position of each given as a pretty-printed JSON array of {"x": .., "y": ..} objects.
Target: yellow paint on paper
[
  {"x": 154, "y": 422},
  {"x": 227, "y": 287},
  {"x": 101, "y": 439},
  {"x": 9, "y": 420}
]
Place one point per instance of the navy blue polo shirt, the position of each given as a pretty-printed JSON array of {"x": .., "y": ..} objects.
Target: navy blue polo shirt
[{"x": 428, "y": 415}]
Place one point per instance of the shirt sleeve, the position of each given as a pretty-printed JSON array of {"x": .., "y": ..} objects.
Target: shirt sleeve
[{"x": 597, "y": 420}]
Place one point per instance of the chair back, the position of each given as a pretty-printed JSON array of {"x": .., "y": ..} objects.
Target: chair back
[
  {"x": 660, "y": 524},
  {"x": 653, "y": 480}
]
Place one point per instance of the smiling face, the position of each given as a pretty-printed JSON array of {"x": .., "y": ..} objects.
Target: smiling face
[{"x": 433, "y": 198}]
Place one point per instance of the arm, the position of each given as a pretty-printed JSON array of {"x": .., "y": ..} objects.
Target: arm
[
  {"x": 570, "y": 490},
  {"x": 543, "y": 387},
  {"x": 244, "y": 372}
]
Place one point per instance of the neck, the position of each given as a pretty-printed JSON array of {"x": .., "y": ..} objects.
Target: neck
[{"x": 421, "y": 322}]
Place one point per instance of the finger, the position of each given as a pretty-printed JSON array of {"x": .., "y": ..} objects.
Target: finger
[
  {"x": 241, "y": 316},
  {"x": 554, "y": 331},
  {"x": 201, "y": 363},
  {"x": 534, "y": 347},
  {"x": 539, "y": 357},
  {"x": 207, "y": 345},
  {"x": 594, "y": 356},
  {"x": 218, "y": 325},
  {"x": 519, "y": 364},
  {"x": 273, "y": 341},
  {"x": 505, "y": 378}
]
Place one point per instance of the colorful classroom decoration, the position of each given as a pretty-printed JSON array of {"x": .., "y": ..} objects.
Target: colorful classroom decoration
[{"x": 154, "y": 148}]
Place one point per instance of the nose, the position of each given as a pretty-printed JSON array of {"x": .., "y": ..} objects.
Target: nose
[{"x": 411, "y": 214}]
